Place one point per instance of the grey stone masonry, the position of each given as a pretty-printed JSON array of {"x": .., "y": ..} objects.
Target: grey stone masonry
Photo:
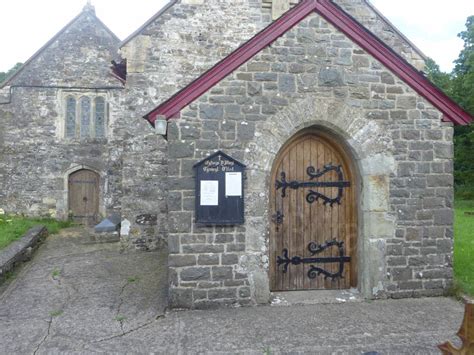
[
  {"x": 314, "y": 76},
  {"x": 35, "y": 156},
  {"x": 166, "y": 55},
  {"x": 163, "y": 57},
  {"x": 61, "y": 63},
  {"x": 383, "y": 29}
]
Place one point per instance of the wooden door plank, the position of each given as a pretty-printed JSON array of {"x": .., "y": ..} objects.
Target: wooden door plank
[
  {"x": 348, "y": 200},
  {"x": 318, "y": 238},
  {"x": 353, "y": 232},
  {"x": 300, "y": 202},
  {"x": 292, "y": 173},
  {"x": 344, "y": 232},
  {"x": 287, "y": 229},
  {"x": 307, "y": 228},
  {"x": 314, "y": 284}
]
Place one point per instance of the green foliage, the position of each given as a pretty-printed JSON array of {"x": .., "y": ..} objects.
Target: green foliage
[
  {"x": 459, "y": 85},
  {"x": 55, "y": 273},
  {"x": 133, "y": 279},
  {"x": 463, "y": 83},
  {"x": 14, "y": 227},
  {"x": 463, "y": 93},
  {"x": 441, "y": 79},
  {"x": 464, "y": 246},
  {"x": 463, "y": 192},
  {"x": 5, "y": 75},
  {"x": 56, "y": 313}
]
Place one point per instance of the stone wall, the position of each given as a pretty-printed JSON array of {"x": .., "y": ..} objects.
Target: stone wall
[
  {"x": 79, "y": 55},
  {"x": 35, "y": 156},
  {"x": 363, "y": 11},
  {"x": 37, "y": 166},
  {"x": 182, "y": 43},
  {"x": 21, "y": 250},
  {"x": 175, "y": 48},
  {"x": 170, "y": 52},
  {"x": 314, "y": 77}
]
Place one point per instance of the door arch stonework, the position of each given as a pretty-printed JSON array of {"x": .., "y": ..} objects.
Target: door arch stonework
[{"x": 313, "y": 209}]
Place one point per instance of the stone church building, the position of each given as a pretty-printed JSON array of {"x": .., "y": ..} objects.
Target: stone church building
[{"x": 269, "y": 145}]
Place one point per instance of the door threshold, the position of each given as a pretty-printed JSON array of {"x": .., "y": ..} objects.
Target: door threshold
[{"x": 291, "y": 298}]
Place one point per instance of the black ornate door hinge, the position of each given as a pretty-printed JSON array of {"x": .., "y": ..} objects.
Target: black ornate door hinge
[
  {"x": 315, "y": 271},
  {"x": 314, "y": 174}
]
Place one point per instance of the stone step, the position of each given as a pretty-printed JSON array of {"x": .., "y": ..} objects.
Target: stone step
[{"x": 98, "y": 238}]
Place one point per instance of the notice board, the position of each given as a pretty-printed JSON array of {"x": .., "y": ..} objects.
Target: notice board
[{"x": 219, "y": 190}]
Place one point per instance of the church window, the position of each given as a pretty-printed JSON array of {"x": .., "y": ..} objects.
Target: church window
[
  {"x": 99, "y": 117},
  {"x": 70, "y": 117},
  {"x": 85, "y": 116}
]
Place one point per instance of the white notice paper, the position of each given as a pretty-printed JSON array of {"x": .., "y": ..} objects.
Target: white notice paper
[
  {"x": 209, "y": 192},
  {"x": 233, "y": 184}
]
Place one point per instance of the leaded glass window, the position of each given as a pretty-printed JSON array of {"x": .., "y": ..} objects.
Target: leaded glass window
[
  {"x": 99, "y": 117},
  {"x": 70, "y": 117},
  {"x": 85, "y": 117}
]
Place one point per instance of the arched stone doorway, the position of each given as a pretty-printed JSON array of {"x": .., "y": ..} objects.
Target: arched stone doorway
[
  {"x": 83, "y": 196},
  {"x": 314, "y": 215}
]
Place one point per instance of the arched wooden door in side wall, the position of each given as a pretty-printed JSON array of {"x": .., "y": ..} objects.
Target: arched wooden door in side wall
[
  {"x": 83, "y": 193},
  {"x": 313, "y": 237}
]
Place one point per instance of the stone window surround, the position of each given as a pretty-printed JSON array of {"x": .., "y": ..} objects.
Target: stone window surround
[{"x": 78, "y": 95}]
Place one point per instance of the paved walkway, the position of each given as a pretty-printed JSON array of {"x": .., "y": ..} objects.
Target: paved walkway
[
  {"x": 85, "y": 298},
  {"x": 75, "y": 293}
]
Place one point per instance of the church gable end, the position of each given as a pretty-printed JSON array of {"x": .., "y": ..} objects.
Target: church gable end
[
  {"x": 77, "y": 56},
  {"x": 349, "y": 27},
  {"x": 316, "y": 80}
]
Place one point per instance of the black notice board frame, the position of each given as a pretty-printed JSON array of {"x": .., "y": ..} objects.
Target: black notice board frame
[{"x": 230, "y": 209}]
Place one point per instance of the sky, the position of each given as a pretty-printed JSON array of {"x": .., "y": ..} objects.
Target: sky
[{"x": 26, "y": 25}]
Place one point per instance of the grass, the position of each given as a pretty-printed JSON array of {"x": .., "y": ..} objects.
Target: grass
[
  {"x": 464, "y": 246},
  {"x": 133, "y": 279},
  {"x": 55, "y": 273},
  {"x": 14, "y": 227},
  {"x": 56, "y": 313}
]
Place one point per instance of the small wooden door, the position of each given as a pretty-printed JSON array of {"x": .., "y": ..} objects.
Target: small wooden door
[
  {"x": 313, "y": 236},
  {"x": 84, "y": 196}
]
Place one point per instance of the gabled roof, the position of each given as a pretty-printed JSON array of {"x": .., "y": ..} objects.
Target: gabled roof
[
  {"x": 339, "y": 19},
  {"x": 147, "y": 23},
  {"x": 88, "y": 9}
]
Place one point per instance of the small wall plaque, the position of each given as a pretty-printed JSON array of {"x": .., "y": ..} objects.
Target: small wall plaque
[{"x": 219, "y": 190}]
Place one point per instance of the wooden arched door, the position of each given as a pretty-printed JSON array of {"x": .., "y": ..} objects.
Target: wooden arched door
[
  {"x": 313, "y": 237},
  {"x": 83, "y": 192}
]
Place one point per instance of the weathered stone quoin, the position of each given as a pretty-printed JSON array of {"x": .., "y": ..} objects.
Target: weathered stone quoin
[{"x": 313, "y": 76}]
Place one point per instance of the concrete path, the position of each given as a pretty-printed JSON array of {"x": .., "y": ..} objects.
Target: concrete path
[
  {"x": 89, "y": 298},
  {"x": 74, "y": 292}
]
